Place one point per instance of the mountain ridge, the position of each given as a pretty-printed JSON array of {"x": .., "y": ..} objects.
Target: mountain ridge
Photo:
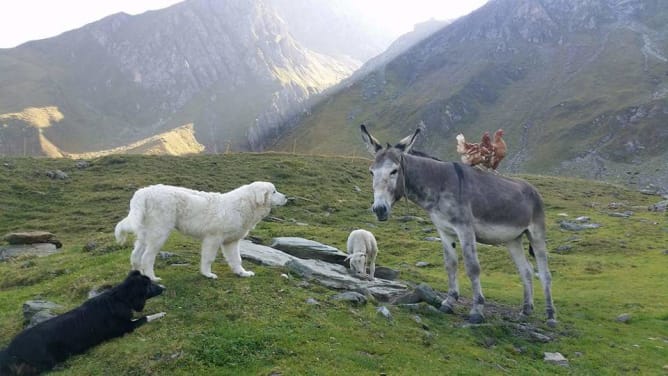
[
  {"x": 544, "y": 71},
  {"x": 232, "y": 68}
]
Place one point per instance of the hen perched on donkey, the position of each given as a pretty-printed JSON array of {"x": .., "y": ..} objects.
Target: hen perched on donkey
[{"x": 468, "y": 205}]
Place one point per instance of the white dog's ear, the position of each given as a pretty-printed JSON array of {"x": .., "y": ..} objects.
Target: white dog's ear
[{"x": 263, "y": 195}]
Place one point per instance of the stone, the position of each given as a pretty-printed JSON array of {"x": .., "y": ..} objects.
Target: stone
[
  {"x": 422, "y": 293},
  {"x": 311, "y": 301},
  {"x": 421, "y": 307},
  {"x": 39, "y": 250},
  {"x": 37, "y": 311},
  {"x": 555, "y": 358},
  {"x": 660, "y": 206},
  {"x": 624, "y": 318},
  {"x": 163, "y": 255},
  {"x": 353, "y": 297},
  {"x": 308, "y": 249},
  {"x": 57, "y": 175},
  {"x": 563, "y": 248},
  {"x": 82, "y": 164},
  {"x": 422, "y": 264},
  {"x": 90, "y": 246},
  {"x": 312, "y": 250},
  {"x": 383, "y": 272},
  {"x": 432, "y": 239},
  {"x": 383, "y": 311},
  {"x": 428, "y": 295},
  {"x": 32, "y": 237},
  {"x": 625, "y": 214},
  {"x": 571, "y": 226},
  {"x": 328, "y": 274}
]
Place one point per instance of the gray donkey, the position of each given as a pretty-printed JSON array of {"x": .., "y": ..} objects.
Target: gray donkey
[{"x": 469, "y": 204}]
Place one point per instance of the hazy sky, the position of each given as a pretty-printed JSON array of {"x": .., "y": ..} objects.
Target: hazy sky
[{"x": 25, "y": 20}]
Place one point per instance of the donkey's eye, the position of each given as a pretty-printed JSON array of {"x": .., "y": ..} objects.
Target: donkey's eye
[
  {"x": 394, "y": 172},
  {"x": 371, "y": 172}
]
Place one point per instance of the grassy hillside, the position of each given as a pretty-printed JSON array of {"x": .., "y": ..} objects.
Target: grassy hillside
[{"x": 263, "y": 325}]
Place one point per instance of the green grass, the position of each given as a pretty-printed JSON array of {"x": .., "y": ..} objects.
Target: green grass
[{"x": 262, "y": 325}]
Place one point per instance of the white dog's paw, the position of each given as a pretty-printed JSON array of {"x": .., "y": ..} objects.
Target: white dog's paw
[
  {"x": 245, "y": 273},
  {"x": 210, "y": 275},
  {"x": 156, "y": 316}
]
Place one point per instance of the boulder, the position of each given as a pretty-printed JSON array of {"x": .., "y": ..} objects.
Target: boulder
[
  {"x": 36, "y": 311},
  {"x": 308, "y": 249},
  {"x": 555, "y": 358},
  {"x": 353, "y": 297},
  {"x": 312, "y": 250},
  {"x": 659, "y": 206},
  {"x": 572, "y": 226},
  {"x": 57, "y": 175},
  {"x": 32, "y": 237},
  {"x": 328, "y": 274},
  {"x": 422, "y": 293},
  {"x": 39, "y": 249}
]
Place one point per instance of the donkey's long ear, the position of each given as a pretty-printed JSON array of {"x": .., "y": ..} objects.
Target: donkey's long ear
[
  {"x": 406, "y": 143},
  {"x": 372, "y": 145}
]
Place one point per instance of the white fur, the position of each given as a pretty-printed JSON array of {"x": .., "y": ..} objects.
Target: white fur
[
  {"x": 219, "y": 219},
  {"x": 362, "y": 251}
]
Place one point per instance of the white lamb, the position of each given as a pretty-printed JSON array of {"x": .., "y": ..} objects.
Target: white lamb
[{"x": 362, "y": 251}]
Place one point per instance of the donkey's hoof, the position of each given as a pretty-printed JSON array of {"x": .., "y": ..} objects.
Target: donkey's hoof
[
  {"x": 476, "y": 318},
  {"x": 446, "y": 308},
  {"x": 527, "y": 310},
  {"x": 552, "y": 323}
]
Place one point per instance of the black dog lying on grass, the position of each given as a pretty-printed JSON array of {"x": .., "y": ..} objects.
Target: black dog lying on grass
[{"x": 106, "y": 316}]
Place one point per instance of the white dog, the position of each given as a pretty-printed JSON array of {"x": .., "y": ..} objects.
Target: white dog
[
  {"x": 362, "y": 250},
  {"x": 219, "y": 219}
]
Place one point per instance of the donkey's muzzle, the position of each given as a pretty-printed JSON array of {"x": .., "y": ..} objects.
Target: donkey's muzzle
[{"x": 381, "y": 212}]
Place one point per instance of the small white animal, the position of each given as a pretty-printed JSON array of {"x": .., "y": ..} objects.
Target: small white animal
[
  {"x": 362, "y": 251},
  {"x": 219, "y": 219}
]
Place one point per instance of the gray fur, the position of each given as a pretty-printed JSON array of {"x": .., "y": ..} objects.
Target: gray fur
[{"x": 468, "y": 205}]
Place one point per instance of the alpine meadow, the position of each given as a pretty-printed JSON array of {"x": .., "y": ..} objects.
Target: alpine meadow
[
  {"x": 307, "y": 187},
  {"x": 264, "y": 325}
]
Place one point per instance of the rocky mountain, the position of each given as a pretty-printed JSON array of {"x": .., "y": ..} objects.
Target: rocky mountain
[
  {"x": 235, "y": 69},
  {"x": 579, "y": 86}
]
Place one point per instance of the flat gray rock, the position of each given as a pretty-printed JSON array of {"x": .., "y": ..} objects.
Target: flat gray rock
[
  {"x": 39, "y": 249},
  {"x": 36, "y": 311},
  {"x": 308, "y": 249},
  {"x": 328, "y": 274},
  {"x": 32, "y": 237}
]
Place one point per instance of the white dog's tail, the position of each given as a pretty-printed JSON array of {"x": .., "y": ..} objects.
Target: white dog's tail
[{"x": 129, "y": 224}]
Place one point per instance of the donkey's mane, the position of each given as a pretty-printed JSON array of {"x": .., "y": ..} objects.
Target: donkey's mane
[{"x": 422, "y": 154}]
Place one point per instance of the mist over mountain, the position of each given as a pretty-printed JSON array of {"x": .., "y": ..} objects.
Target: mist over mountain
[
  {"x": 579, "y": 86},
  {"x": 235, "y": 69}
]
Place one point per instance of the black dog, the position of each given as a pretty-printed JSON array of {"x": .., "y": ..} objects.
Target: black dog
[{"x": 106, "y": 316}]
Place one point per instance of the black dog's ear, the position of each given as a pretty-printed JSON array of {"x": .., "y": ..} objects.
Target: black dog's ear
[{"x": 134, "y": 273}]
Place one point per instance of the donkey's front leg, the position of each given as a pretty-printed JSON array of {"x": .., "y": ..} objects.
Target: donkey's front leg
[
  {"x": 450, "y": 257},
  {"x": 467, "y": 240}
]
